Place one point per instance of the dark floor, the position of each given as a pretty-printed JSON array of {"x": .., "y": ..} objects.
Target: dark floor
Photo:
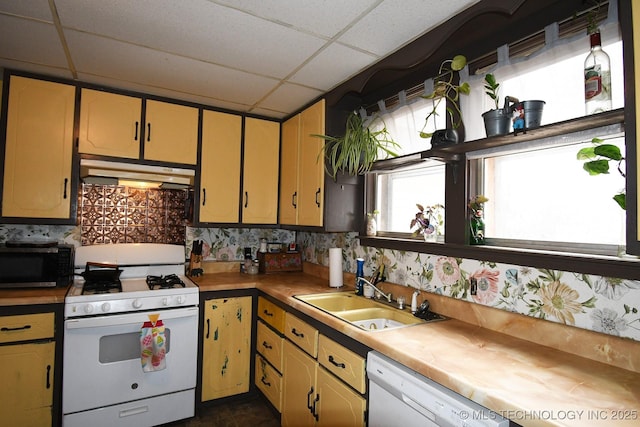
[{"x": 251, "y": 411}]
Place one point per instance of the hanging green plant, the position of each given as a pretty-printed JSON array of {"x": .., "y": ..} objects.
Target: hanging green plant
[
  {"x": 597, "y": 158},
  {"x": 355, "y": 152}
]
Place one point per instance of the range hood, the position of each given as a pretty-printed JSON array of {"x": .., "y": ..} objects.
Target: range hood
[{"x": 113, "y": 173}]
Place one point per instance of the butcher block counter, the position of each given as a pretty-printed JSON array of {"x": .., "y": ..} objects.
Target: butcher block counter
[
  {"x": 478, "y": 353},
  {"x": 32, "y": 296}
]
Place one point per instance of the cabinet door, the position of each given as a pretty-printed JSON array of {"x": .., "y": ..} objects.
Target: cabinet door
[
  {"x": 39, "y": 149},
  {"x": 311, "y": 166},
  {"x": 27, "y": 391},
  {"x": 220, "y": 169},
  {"x": 171, "y": 133},
  {"x": 110, "y": 124},
  {"x": 299, "y": 387},
  {"x": 337, "y": 405},
  {"x": 260, "y": 172},
  {"x": 226, "y": 350},
  {"x": 289, "y": 171}
]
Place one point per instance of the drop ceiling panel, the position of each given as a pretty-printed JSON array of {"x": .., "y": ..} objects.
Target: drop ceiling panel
[
  {"x": 30, "y": 42},
  {"x": 334, "y": 64},
  {"x": 322, "y": 17},
  {"x": 37, "y": 9},
  {"x": 285, "y": 97}
]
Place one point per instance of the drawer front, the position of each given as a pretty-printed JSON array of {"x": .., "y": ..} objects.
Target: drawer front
[
  {"x": 342, "y": 362},
  {"x": 269, "y": 344},
  {"x": 26, "y": 327},
  {"x": 271, "y": 314},
  {"x": 269, "y": 381},
  {"x": 302, "y": 334}
]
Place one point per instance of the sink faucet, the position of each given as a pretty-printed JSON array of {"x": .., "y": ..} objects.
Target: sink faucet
[{"x": 387, "y": 297}]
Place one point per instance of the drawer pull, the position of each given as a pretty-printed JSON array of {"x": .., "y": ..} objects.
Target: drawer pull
[
  {"x": 339, "y": 365},
  {"x": 309, "y": 407},
  {"x": 267, "y": 383},
  {"x": 19, "y": 328},
  {"x": 48, "y": 376},
  {"x": 266, "y": 345},
  {"x": 267, "y": 313},
  {"x": 296, "y": 333}
]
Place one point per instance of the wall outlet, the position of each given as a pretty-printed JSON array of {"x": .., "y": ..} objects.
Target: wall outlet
[{"x": 473, "y": 286}]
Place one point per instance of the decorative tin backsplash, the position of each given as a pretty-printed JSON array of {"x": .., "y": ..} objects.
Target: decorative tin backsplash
[{"x": 122, "y": 214}]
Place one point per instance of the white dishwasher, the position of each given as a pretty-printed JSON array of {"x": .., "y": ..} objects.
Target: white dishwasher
[{"x": 399, "y": 396}]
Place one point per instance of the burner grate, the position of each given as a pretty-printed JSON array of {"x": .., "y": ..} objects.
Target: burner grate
[
  {"x": 164, "y": 282},
  {"x": 101, "y": 287}
]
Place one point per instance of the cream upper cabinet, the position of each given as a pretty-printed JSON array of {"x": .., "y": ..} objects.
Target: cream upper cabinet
[
  {"x": 171, "y": 133},
  {"x": 302, "y": 169},
  {"x": 289, "y": 171},
  {"x": 220, "y": 168},
  {"x": 110, "y": 124},
  {"x": 311, "y": 165},
  {"x": 39, "y": 149},
  {"x": 260, "y": 171}
]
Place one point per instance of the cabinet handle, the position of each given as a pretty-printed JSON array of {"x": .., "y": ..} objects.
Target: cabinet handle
[
  {"x": 19, "y": 328},
  {"x": 204, "y": 196},
  {"x": 135, "y": 138},
  {"x": 267, "y": 383},
  {"x": 266, "y": 313},
  {"x": 48, "y": 376},
  {"x": 148, "y": 132},
  {"x": 317, "y": 194},
  {"x": 309, "y": 407},
  {"x": 246, "y": 199},
  {"x": 313, "y": 411},
  {"x": 339, "y": 365},
  {"x": 296, "y": 333},
  {"x": 208, "y": 328},
  {"x": 64, "y": 194},
  {"x": 266, "y": 345},
  {"x": 294, "y": 199}
]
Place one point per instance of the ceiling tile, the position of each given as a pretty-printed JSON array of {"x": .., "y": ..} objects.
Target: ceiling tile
[
  {"x": 30, "y": 42},
  {"x": 289, "y": 98},
  {"x": 334, "y": 64},
  {"x": 37, "y": 9}
]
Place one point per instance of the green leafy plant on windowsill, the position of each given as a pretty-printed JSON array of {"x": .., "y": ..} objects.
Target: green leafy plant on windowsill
[
  {"x": 597, "y": 158},
  {"x": 446, "y": 89},
  {"x": 355, "y": 152}
]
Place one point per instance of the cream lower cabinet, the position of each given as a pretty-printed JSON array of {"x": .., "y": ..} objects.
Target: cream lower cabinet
[
  {"x": 226, "y": 347},
  {"x": 39, "y": 149},
  {"x": 313, "y": 396},
  {"x": 27, "y": 369}
]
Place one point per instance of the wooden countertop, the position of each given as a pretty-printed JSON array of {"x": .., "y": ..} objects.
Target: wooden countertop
[
  {"x": 532, "y": 384},
  {"x": 12, "y": 297}
]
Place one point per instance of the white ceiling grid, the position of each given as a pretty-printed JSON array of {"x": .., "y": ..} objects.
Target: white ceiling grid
[{"x": 267, "y": 57}]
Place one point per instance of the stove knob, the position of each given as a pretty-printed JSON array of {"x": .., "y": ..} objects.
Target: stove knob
[
  {"x": 137, "y": 303},
  {"x": 88, "y": 308},
  {"x": 180, "y": 299},
  {"x": 106, "y": 307},
  {"x": 165, "y": 301}
]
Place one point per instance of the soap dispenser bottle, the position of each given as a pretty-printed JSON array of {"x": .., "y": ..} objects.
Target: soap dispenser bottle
[
  {"x": 414, "y": 302},
  {"x": 359, "y": 274}
]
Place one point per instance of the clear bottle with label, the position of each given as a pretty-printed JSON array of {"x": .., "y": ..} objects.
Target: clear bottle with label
[{"x": 597, "y": 78}]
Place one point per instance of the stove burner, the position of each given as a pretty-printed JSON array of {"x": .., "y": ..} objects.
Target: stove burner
[
  {"x": 101, "y": 287},
  {"x": 164, "y": 282}
]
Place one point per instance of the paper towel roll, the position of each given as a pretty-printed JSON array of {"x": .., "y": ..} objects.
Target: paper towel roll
[{"x": 335, "y": 267}]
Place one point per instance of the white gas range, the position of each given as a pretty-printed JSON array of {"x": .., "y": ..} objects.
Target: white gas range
[{"x": 124, "y": 287}]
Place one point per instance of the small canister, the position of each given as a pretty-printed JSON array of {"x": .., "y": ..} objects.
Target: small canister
[{"x": 263, "y": 245}]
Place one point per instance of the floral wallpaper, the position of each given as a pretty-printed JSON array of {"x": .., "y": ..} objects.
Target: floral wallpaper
[{"x": 603, "y": 304}]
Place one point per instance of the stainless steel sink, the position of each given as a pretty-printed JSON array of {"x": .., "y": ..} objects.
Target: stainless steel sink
[{"x": 365, "y": 313}]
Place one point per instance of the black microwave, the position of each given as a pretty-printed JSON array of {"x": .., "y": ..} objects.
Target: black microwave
[{"x": 36, "y": 265}]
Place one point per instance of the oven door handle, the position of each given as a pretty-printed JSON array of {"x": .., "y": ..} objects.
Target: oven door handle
[{"x": 129, "y": 318}]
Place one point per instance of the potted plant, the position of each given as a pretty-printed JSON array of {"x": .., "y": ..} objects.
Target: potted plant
[
  {"x": 355, "y": 152},
  {"x": 446, "y": 88},
  {"x": 429, "y": 221},
  {"x": 476, "y": 223},
  {"x": 498, "y": 120}
]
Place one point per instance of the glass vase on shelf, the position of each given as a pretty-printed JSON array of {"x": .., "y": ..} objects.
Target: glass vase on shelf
[{"x": 476, "y": 228}]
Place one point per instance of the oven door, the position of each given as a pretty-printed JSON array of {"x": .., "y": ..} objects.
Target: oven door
[{"x": 102, "y": 359}]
